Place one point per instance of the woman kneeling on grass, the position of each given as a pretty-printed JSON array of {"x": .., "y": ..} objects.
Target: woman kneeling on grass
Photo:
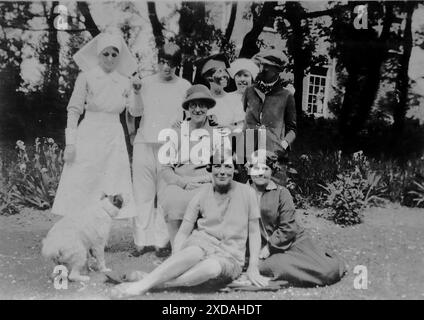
[
  {"x": 227, "y": 214},
  {"x": 288, "y": 252}
]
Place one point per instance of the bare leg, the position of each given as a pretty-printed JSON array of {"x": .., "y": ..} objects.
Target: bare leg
[
  {"x": 171, "y": 268},
  {"x": 173, "y": 226},
  {"x": 200, "y": 273}
]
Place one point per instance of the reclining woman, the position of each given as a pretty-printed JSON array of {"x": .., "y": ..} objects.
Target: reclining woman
[
  {"x": 227, "y": 214},
  {"x": 288, "y": 252},
  {"x": 185, "y": 176}
]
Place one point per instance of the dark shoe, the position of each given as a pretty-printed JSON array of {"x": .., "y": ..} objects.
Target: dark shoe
[
  {"x": 163, "y": 252},
  {"x": 139, "y": 251}
]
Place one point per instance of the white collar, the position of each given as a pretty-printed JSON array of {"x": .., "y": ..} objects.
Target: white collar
[{"x": 271, "y": 186}]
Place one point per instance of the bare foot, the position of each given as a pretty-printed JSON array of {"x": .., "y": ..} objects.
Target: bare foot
[{"x": 126, "y": 290}]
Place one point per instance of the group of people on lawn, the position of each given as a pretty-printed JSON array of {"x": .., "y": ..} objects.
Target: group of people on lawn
[{"x": 223, "y": 214}]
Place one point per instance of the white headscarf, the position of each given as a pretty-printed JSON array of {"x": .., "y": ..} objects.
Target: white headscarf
[
  {"x": 87, "y": 57},
  {"x": 243, "y": 64}
]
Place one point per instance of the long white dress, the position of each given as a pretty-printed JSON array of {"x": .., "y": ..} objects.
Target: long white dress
[{"x": 102, "y": 162}]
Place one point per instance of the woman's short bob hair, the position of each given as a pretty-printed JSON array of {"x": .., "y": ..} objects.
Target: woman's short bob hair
[
  {"x": 221, "y": 157},
  {"x": 170, "y": 52}
]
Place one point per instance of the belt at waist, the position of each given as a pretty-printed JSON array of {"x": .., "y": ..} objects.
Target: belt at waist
[{"x": 103, "y": 117}]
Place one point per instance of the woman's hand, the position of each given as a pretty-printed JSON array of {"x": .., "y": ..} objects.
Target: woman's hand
[
  {"x": 177, "y": 124},
  {"x": 202, "y": 179},
  {"x": 192, "y": 185},
  {"x": 69, "y": 153},
  {"x": 136, "y": 83},
  {"x": 264, "y": 252},
  {"x": 255, "y": 277}
]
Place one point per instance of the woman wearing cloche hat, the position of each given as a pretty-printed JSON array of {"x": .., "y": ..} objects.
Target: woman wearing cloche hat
[
  {"x": 186, "y": 173},
  {"x": 244, "y": 72},
  {"x": 213, "y": 73}
]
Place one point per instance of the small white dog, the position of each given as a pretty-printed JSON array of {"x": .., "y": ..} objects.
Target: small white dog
[{"x": 74, "y": 238}]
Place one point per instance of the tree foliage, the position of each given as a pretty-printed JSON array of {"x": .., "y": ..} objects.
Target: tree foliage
[{"x": 372, "y": 63}]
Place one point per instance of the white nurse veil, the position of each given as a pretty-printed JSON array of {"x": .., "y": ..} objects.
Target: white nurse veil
[{"x": 87, "y": 57}]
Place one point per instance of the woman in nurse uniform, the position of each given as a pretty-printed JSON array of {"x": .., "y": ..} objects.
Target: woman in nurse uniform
[{"x": 96, "y": 157}]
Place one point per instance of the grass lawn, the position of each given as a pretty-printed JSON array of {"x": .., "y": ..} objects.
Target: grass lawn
[{"x": 390, "y": 243}]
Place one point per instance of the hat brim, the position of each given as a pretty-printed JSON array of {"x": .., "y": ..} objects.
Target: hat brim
[
  {"x": 263, "y": 60},
  {"x": 210, "y": 102}
]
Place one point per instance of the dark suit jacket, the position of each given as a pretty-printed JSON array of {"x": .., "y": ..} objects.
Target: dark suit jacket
[{"x": 276, "y": 112}]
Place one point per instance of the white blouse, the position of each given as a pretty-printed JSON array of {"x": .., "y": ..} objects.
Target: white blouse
[{"x": 228, "y": 109}]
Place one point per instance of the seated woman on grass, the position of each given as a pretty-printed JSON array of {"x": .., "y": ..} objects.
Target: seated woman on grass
[
  {"x": 288, "y": 252},
  {"x": 227, "y": 214}
]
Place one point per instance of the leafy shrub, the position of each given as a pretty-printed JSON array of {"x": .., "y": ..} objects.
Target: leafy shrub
[
  {"x": 31, "y": 179},
  {"x": 419, "y": 193},
  {"x": 396, "y": 179},
  {"x": 8, "y": 207},
  {"x": 348, "y": 196},
  {"x": 321, "y": 168}
]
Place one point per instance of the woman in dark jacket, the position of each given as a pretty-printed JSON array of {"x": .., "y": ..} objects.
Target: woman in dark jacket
[{"x": 288, "y": 252}]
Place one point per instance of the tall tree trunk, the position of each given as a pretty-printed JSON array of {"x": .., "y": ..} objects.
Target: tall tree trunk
[
  {"x": 402, "y": 81},
  {"x": 89, "y": 23},
  {"x": 156, "y": 25},
  {"x": 50, "y": 94},
  {"x": 189, "y": 12},
  {"x": 250, "y": 46},
  {"x": 230, "y": 26},
  {"x": 293, "y": 15},
  {"x": 363, "y": 81}
]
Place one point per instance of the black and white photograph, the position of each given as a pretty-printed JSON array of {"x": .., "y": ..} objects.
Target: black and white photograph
[{"x": 213, "y": 151}]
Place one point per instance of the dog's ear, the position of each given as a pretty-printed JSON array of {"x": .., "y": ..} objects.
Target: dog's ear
[{"x": 118, "y": 201}]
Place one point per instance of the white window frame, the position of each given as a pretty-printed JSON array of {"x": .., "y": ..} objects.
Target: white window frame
[{"x": 324, "y": 87}]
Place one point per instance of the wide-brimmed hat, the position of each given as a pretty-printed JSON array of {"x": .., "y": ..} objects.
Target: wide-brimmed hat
[
  {"x": 271, "y": 57},
  {"x": 243, "y": 64},
  {"x": 218, "y": 60},
  {"x": 198, "y": 92}
]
